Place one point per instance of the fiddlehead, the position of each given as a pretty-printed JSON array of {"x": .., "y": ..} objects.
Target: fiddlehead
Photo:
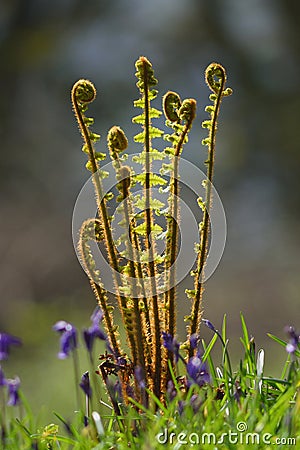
[
  {"x": 146, "y": 82},
  {"x": 145, "y": 313},
  {"x": 117, "y": 142},
  {"x": 171, "y": 106},
  {"x": 179, "y": 116},
  {"x": 83, "y": 93},
  {"x": 215, "y": 76}
]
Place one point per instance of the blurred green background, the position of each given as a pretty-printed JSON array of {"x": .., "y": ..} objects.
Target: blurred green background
[{"x": 44, "y": 48}]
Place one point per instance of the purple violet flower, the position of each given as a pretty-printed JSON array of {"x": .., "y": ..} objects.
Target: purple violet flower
[
  {"x": 171, "y": 391},
  {"x": 3, "y": 380},
  {"x": 209, "y": 324},
  {"x": 121, "y": 361},
  {"x": 194, "y": 340},
  {"x": 181, "y": 405},
  {"x": 85, "y": 384},
  {"x": 197, "y": 372},
  {"x": 97, "y": 315},
  {"x": 116, "y": 390},
  {"x": 94, "y": 331},
  {"x": 13, "y": 391},
  {"x": 6, "y": 340},
  {"x": 68, "y": 338},
  {"x": 130, "y": 391},
  {"x": 195, "y": 402},
  {"x": 171, "y": 344},
  {"x": 139, "y": 375},
  {"x": 238, "y": 392},
  {"x": 292, "y": 345}
]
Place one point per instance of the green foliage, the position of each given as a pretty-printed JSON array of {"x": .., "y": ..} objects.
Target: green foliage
[
  {"x": 245, "y": 409},
  {"x": 154, "y": 179},
  {"x": 162, "y": 399},
  {"x": 146, "y": 311}
]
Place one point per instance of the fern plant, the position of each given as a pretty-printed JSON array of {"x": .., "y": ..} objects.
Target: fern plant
[{"x": 144, "y": 279}]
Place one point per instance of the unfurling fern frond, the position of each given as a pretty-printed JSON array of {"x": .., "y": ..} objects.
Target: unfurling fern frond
[
  {"x": 145, "y": 282},
  {"x": 146, "y": 82},
  {"x": 215, "y": 76},
  {"x": 179, "y": 116}
]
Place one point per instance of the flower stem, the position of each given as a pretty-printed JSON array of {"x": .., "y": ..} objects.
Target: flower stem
[
  {"x": 3, "y": 416},
  {"x": 96, "y": 390},
  {"x": 76, "y": 378}
]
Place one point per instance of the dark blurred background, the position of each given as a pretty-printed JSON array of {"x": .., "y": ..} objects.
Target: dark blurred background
[{"x": 44, "y": 48}]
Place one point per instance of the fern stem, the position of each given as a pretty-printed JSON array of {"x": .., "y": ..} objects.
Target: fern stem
[
  {"x": 101, "y": 204},
  {"x": 188, "y": 108},
  {"x": 100, "y": 294},
  {"x": 173, "y": 231},
  {"x": 149, "y": 242},
  {"x": 117, "y": 142},
  {"x": 139, "y": 336},
  {"x": 213, "y": 71}
]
